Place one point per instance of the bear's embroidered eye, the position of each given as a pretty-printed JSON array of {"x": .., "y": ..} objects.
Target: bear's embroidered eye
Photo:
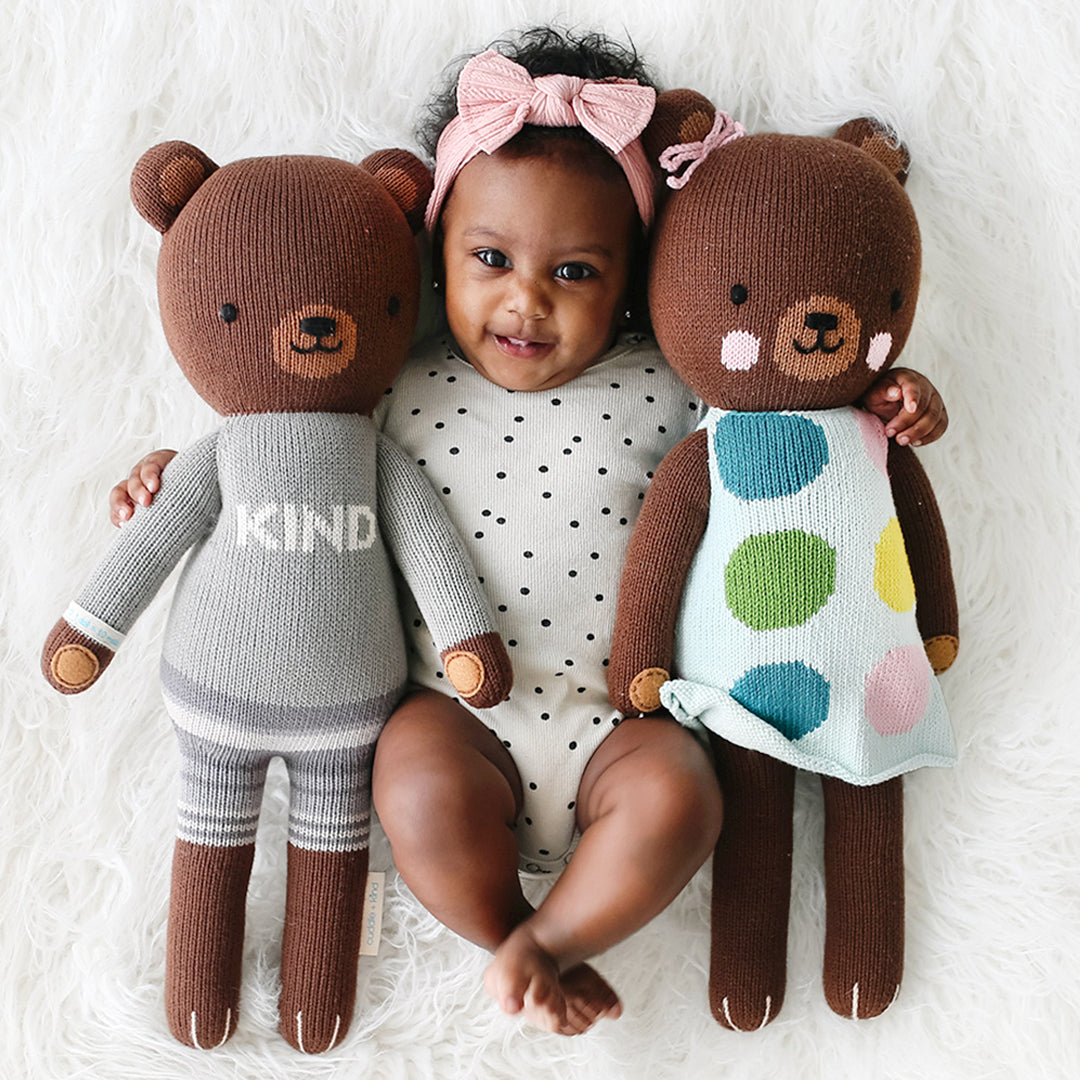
[
  {"x": 896, "y": 301},
  {"x": 393, "y": 306},
  {"x": 738, "y": 294},
  {"x": 228, "y": 313}
]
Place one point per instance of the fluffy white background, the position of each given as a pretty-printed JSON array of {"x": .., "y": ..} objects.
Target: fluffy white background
[{"x": 985, "y": 95}]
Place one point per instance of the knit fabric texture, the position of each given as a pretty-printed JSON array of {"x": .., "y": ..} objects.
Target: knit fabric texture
[
  {"x": 284, "y": 636},
  {"x": 797, "y": 634}
]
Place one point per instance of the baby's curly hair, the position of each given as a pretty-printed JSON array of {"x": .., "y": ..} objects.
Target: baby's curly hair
[{"x": 542, "y": 50}]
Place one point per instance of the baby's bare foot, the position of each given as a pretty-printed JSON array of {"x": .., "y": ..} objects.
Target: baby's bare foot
[
  {"x": 524, "y": 979},
  {"x": 588, "y": 998}
]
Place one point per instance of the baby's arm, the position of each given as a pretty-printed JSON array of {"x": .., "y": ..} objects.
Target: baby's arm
[
  {"x": 909, "y": 406},
  {"x": 140, "y": 487}
]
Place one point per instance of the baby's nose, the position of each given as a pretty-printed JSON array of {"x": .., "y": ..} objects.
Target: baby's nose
[{"x": 528, "y": 300}]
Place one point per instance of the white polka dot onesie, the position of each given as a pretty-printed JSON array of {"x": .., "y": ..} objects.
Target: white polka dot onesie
[{"x": 544, "y": 488}]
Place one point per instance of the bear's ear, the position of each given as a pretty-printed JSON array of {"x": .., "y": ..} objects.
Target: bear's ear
[
  {"x": 880, "y": 143},
  {"x": 408, "y": 180},
  {"x": 680, "y": 116},
  {"x": 164, "y": 178}
]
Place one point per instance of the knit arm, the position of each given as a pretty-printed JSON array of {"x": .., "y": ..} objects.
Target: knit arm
[
  {"x": 928, "y": 556},
  {"x": 134, "y": 568},
  {"x": 668, "y": 532},
  {"x": 432, "y": 559}
]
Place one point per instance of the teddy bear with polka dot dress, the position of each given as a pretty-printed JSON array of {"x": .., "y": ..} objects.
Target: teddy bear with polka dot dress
[{"x": 770, "y": 588}]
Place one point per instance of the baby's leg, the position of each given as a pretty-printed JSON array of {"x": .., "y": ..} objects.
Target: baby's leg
[
  {"x": 649, "y": 809},
  {"x": 447, "y": 794}
]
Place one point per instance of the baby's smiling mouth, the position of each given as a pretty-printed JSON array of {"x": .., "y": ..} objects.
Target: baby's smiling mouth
[{"x": 522, "y": 348}]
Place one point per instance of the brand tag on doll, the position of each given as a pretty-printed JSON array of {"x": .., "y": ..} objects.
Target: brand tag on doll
[{"x": 371, "y": 929}]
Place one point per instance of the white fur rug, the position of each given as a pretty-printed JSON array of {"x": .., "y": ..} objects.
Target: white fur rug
[{"x": 985, "y": 95}]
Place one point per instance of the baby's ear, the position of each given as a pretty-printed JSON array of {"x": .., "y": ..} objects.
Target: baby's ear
[
  {"x": 408, "y": 180},
  {"x": 164, "y": 178},
  {"x": 880, "y": 143},
  {"x": 680, "y": 116}
]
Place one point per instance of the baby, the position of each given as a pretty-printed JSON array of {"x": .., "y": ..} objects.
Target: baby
[{"x": 541, "y": 420}]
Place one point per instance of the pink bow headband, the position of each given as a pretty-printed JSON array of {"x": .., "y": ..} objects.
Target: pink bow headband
[
  {"x": 497, "y": 97},
  {"x": 724, "y": 130}
]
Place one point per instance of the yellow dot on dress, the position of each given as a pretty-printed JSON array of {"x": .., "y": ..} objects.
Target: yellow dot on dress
[{"x": 892, "y": 575}]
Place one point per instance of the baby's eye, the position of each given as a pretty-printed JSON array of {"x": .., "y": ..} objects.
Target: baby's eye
[
  {"x": 574, "y": 271},
  {"x": 492, "y": 257}
]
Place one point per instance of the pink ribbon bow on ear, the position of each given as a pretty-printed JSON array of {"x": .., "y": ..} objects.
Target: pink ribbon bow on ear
[
  {"x": 497, "y": 97},
  {"x": 724, "y": 130}
]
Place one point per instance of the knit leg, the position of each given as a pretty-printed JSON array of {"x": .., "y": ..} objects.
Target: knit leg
[
  {"x": 751, "y": 888},
  {"x": 321, "y": 946},
  {"x": 206, "y": 941},
  {"x": 864, "y": 896}
]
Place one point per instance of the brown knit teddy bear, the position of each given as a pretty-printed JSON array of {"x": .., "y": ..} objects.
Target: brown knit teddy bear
[
  {"x": 774, "y": 568},
  {"x": 289, "y": 290}
]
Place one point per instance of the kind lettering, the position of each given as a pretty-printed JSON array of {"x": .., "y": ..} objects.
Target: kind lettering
[{"x": 293, "y": 527}]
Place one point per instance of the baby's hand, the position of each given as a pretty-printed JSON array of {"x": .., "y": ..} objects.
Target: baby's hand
[
  {"x": 139, "y": 487},
  {"x": 909, "y": 406}
]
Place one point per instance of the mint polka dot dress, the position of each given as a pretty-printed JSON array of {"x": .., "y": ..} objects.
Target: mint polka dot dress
[{"x": 797, "y": 633}]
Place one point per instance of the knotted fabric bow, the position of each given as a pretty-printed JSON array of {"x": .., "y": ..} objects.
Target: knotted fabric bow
[
  {"x": 497, "y": 98},
  {"x": 724, "y": 130}
]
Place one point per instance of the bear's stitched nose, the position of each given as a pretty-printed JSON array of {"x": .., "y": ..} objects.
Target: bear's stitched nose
[
  {"x": 821, "y": 320},
  {"x": 317, "y": 326}
]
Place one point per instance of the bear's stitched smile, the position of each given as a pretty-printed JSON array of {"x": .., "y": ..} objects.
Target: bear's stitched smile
[
  {"x": 317, "y": 347},
  {"x": 818, "y": 345}
]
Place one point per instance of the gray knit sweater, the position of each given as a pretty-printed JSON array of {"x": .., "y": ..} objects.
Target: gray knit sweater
[{"x": 287, "y": 604}]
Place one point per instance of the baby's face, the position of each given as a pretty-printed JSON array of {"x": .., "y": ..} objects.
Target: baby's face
[{"x": 536, "y": 257}]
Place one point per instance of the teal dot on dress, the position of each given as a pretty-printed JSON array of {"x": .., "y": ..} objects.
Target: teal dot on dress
[
  {"x": 779, "y": 579},
  {"x": 768, "y": 455},
  {"x": 792, "y": 697}
]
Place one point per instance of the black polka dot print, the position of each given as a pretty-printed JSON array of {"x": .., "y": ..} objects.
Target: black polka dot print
[{"x": 544, "y": 488}]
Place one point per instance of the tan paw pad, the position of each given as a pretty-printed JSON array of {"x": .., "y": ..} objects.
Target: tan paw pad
[
  {"x": 465, "y": 671},
  {"x": 645, "y": 689},
  {"x": 74, "y": 666},
  {"x": 941, "y": 652}
]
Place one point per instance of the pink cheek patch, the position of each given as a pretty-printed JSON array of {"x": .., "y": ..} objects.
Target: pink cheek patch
[
  {"x": 880, "y": 344},
  {"x": 739, "y": 350},
  {"x": 873, "y": 435},
  {"x": 898, "y": 691}
]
